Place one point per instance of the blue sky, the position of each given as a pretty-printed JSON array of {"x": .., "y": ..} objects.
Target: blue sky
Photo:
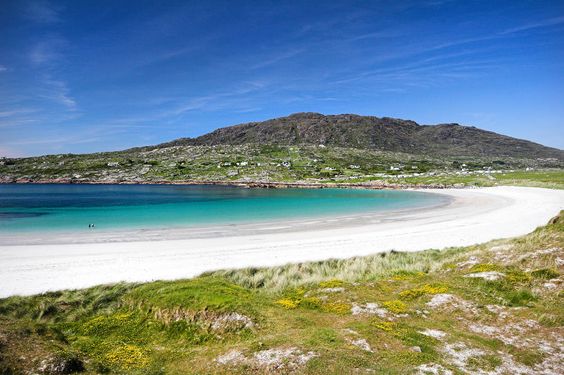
[{"x": 85, "y": 76}]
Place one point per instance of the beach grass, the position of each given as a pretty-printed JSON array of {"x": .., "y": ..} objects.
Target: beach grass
[
  {"x": 491, "y": 307},
  {"x": 366, "y": 268}
]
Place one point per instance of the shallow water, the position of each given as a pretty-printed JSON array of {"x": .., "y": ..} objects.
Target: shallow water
[{"x": 57, "y": 207}]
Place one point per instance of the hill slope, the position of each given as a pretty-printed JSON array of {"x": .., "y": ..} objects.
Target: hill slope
[{"x": 368, "y": 132}]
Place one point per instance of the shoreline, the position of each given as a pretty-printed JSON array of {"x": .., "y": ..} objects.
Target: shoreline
[
  {"x": 472, "y": 216},
  {"x": 376, "y": 184}
]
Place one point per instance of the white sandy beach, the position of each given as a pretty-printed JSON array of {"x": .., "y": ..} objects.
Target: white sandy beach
[{"x": 473, "y": 216}]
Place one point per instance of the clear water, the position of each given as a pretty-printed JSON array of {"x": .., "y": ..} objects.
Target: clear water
[{"x": 28, "y": 208}]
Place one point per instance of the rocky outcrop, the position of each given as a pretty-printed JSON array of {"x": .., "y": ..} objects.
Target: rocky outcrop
[{"x": 375, "y": 133}]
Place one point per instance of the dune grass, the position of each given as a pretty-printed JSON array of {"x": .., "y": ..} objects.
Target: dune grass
[{"x": 366, "y": 268}]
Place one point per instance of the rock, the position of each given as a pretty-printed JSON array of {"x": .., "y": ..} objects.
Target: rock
[
  {"x": 499, "y": 311},
  {"x": 270, "y": 360},
  {"x": 460, "y": 355},
  {"x": 434, "y": 333},
  {"x": 415, "y": 349},
  {"x": 432, "y": 368},
  {"x": 515, "y": 333},
  {"x": 61, "y": 364},
  {"x": 489, "y": 275},
  {"x": 279, "y": 359},
  {"x": 362, "y": 344},
  {"x": 231, "y": 357},
  {"x": 370, "y": 308},
  {"x": 332, "y": 290},
  {"x": 452, "y": 302},
  {"x": 470, "y": 262},
  {"x": 231, "y": 322},
  {"x": 440, "y": 300}
]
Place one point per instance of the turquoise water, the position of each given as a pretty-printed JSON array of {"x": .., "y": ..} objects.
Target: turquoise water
[{"x": 28, "y": 208}]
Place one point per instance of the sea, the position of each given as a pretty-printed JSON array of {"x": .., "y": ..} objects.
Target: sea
[{"x": 72, "y": 207}]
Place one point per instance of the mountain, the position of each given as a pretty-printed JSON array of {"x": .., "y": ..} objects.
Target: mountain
[
  {"x": 374, "y": 133},
  {"x": 307, "y": 147}
]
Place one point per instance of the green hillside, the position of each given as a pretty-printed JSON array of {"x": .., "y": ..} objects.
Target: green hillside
[{"x": 275, "y": 163}]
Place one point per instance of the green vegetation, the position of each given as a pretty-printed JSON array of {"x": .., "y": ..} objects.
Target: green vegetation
[
  {"x": 553, "y": 179},
  {"x": 391, "y": 313},
  {"x": 277, "y": 163}
]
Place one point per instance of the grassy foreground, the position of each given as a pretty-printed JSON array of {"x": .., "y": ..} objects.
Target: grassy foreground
[{"x": 493, "y": 308}]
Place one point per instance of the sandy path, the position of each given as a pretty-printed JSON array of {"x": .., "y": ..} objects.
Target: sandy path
[{"x": 474, "y": 216}]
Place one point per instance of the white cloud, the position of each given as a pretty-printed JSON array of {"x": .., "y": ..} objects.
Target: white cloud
[
  {"x": 544, "y": 23},
  {"x": 15, "y": 112},
  {"x": 375, "y": 35},
  {"x": 46, "y": 55},
  {"x": 219, "y": 100},
  {"x": 276, "y": 58},
  {"x": 17, "y": 116},
  {"x": 42, "y": 12},
  {"x": 48, "y": 51},
  {"x": 61, "y": 93}
]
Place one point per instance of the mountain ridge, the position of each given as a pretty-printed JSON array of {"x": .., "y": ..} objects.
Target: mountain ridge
[
  {"x": 374, "y": 133},
  {"x": 310, "y": 147}
]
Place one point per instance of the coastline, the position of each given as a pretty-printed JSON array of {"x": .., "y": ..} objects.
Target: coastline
[
  {"x": 472, "y": 216},
  {"x": 376, "y": 184}
]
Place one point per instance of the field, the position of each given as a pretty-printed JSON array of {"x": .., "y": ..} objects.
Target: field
[{"x": 491, "y": 308}]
